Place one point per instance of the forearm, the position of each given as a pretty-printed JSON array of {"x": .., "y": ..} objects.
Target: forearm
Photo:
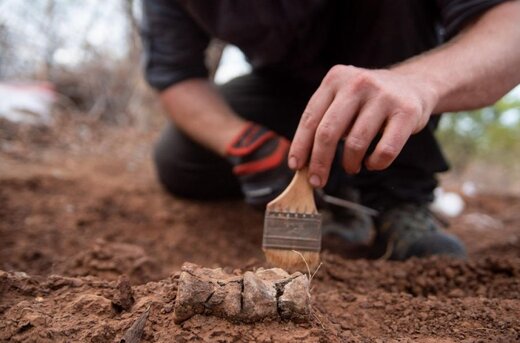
[
  {"x": 197, "y": 108},
  {"x": 478, "y": 67}
]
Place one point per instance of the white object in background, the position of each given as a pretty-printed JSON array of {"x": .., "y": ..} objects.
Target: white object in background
[
  {"x": 28, "y": 102},
  {"x": 447, "y": 203},
  {"x": 469, "y": 188},
  {"x": 482, "y": 221},
  {"x": 232, "y": 64}
]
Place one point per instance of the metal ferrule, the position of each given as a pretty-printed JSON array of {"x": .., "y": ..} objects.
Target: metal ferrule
[{"x": 292, "y": 231}]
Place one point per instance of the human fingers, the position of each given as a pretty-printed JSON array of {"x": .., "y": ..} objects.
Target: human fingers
[
  {"x": 331, "y": 129},
  {"x": 304, "y": 137},
  {"x": 367, "y": 124},
  {"x": 396, "y": 133}
]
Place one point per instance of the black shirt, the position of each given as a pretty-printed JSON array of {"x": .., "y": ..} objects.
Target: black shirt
[{"x": 303, "y": 38}]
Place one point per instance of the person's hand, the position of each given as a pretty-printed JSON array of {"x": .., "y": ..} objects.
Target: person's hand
[
  {"x": 356, "y": 104},
  {"x": 259, "y": 158}
]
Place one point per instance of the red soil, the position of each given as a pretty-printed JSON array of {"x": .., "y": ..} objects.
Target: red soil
[{"x": 74, "y": 218}]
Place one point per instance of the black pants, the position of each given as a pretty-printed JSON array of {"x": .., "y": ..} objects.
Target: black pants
[{"x": 189, "y": 170}]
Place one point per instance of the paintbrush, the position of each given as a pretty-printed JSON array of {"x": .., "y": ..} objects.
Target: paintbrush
[{"x": 291, "y": 224}]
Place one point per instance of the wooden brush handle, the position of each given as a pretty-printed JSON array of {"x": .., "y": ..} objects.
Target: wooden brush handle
[{"x": 297, "y": 197}]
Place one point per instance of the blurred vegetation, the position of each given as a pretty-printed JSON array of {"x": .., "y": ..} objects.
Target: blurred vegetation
[
  {"x": 89, "y": 50},
  {"x": 490, "y": 135},
  {"x": 94, "y": 64}
]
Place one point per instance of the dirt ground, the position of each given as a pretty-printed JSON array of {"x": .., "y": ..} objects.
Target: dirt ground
[{"x": 80, "y": 208}]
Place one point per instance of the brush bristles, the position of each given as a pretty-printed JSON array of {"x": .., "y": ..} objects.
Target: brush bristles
[{"x": 292, "y": 261}]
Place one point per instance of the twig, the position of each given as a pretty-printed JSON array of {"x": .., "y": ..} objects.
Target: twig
[
  {"x": 134, "y": 333},
  {"x": 311, "y": 276}
]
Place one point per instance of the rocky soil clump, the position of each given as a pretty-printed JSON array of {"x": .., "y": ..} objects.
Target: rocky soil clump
[{"x": 254, "y": 296}]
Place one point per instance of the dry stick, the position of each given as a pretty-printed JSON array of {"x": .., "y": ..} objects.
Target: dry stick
[
  {"x": 308, "y": 268},
  {"x": 133, "y": 334}
]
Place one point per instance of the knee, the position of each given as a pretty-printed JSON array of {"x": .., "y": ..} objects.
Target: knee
[
  {"x": 185, "y": 169},
  {"x": 166, "y": 170},
  {"x": 169, "y": 157}
]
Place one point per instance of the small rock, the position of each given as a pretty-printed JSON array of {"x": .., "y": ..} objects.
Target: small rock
[
  {"x": 33, "y": 319},
  {"x": 57, "y": 282},
  {"x": 191, "y": 297},
  {"x": 168, "y": 308},
  {"x": 259, "y": 297},
  {"x": 92, "y": 304},
  {"x": 206, "y": 291},
  {"x": 294, "y": 303},
  {"x": 349, "y": 297},
  {"x": 124, "y": 297},
  {"x": 225, "y": 300}
]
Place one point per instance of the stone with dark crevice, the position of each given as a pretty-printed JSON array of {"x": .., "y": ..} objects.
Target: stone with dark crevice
[
  {"x": 207, "y": 291},
  {"x": 266, "y": 294},
  {"x": 123, "y": 299},
  {"x": 293, "y": 304},
  {"x": 259, "y": 297}
]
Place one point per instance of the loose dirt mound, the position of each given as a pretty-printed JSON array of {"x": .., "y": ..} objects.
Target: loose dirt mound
[{"x": 71, "y": 224}]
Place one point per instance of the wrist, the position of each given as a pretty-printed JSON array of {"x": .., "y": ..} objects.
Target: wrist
[
  {"x": 232, "y": 129},
  {"x": 429, "y": 86}
]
